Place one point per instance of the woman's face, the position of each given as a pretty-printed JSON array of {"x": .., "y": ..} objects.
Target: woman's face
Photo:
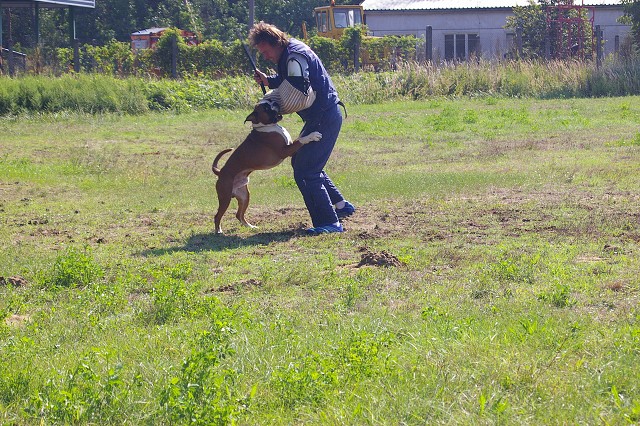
[{"x": 269, "y": 52}]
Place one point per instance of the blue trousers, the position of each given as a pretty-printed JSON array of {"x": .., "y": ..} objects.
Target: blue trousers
[{"x": 318, "y": 192}]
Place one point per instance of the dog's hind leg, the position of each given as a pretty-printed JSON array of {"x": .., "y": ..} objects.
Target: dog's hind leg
[
  {"x": 224, "y": 199},
  {"x": 242, "y": 195}
]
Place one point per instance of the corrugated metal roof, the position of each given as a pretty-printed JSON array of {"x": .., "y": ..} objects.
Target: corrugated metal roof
[
  {"x": 461, "y": 4},
  {"x": 148, "y": 31},
  {"x": 47, "y": 3}
]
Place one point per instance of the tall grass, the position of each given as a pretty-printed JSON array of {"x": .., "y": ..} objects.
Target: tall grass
[
  {"x": 531, "y": 79},
  {"x": 411, "y": 80}
]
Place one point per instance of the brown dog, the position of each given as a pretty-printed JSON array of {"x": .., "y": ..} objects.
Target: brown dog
[{"x": 267, "y": 145}]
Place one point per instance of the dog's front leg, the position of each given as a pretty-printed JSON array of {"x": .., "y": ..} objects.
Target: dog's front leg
[
  {"x": 311, "y": 137},
  {"x": 289, "y": 150}
]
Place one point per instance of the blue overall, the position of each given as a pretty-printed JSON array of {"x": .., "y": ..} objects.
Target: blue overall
[{"x": 318, "y": 191}]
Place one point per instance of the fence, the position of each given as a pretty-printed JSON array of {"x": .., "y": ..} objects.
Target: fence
[
  {"x": 12, "y": 61},
  {"x": 174, "y": 58}
]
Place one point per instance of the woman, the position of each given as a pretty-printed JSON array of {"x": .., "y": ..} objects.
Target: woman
[{"x": 303, "y": 85}]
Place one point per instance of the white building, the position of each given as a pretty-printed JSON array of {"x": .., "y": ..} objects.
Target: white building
[{"x": 461, "y": 28}]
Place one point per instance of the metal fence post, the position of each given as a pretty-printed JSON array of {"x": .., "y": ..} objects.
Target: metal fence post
[
  {"x": 547, "y": 48},
  {"x": 76, "y": 55},
  {"x": 174, "y": 56},
  {"x": 429, "y": 43},
  {"x": 356, "y": 55},
  {"x": 10, "y": 58},
  {"x": 598, "y": 46},
  {"x": 1, "y": 41}
]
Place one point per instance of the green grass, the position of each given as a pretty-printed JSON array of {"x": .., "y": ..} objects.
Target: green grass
[{"x": 515, "y": 223}]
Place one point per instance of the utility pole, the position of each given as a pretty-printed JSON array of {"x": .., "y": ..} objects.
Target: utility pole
[{"x": 252, "y": 7}]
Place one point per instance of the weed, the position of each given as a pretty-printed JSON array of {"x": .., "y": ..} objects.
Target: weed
[
  {"x": 204, "y": 393},
  {"x": 91, "y": 392},
  {"x": 513, "y": 267},
  {"x": 559, "y": 296},
  {"x": 172, "y": 299},
  {"x": 74, "y": 268},
  {"x": 314, "y": 377},
  {"x": 354, "y": 288}
]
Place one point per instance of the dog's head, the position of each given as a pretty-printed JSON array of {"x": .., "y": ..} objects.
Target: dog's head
[{"x": 265, "y": 112}]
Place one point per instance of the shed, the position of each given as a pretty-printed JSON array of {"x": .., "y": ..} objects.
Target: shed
[{"x": 462, "y": 28}]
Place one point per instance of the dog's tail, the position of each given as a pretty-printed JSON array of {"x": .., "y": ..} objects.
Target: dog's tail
[{"x": 214, "y": 166}]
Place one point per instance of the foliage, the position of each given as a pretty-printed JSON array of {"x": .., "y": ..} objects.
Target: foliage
[
  {"x": 380, "y": 53},
  {"x": 409, "y": 80},
  {"x": 114, "y": 58},
  {"x": 74, "y": 268},
  {"x": 80, "y": 93},
  {"x": 170, "y": 44},
  {"x": 532, "y": 21},
  {"x": 203, "y": 393},
  {"x": 632, "y": 16},
  {"x": 329, "y": 51},
  {"x": 93, "y": 389},
  {"x": 117, "y": 19}
]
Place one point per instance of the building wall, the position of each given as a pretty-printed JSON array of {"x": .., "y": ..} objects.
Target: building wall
[
  {"x": 607, "y": 17},
  {"x": 487, "y": 23}
]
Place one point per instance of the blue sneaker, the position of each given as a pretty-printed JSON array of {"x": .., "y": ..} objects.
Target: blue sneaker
[
  {"x": 326, "y": 229},
  {"x": 347, "y": 210}
]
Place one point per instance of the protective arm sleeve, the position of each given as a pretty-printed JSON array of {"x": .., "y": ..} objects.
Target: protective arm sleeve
[{"x": 295, "y": 91}]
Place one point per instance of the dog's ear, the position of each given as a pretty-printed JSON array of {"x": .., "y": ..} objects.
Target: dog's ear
[{"x": 251, "y": 117}]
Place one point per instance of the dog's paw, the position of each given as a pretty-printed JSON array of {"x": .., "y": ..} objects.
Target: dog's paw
[{"x": 311, "y": 137}]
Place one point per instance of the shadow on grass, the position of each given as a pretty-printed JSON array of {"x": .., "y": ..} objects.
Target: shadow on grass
[{"x": 214, "y": 242}]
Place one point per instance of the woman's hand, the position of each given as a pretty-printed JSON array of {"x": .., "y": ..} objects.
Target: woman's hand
[{"x": 261, "y": 77}]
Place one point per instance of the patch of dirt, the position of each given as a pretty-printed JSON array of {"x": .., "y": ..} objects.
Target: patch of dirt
[
  {"x": 16, "y": 281},
  {"x": 383, "y": 258},
  {"x": 17, "y": 320},
  {"x": 235, "y": 287}
]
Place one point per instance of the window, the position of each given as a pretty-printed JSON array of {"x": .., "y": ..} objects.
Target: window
[
  {"x": 473, "y": 46},
  {"x": 461, "y": 46},
  {"x": 344, "y": 18},
  {"x": 461, "y": 51},
  {"x": 322, "y": 22}
]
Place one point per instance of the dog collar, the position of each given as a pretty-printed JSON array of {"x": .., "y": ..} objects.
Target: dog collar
[{"x": 267, "y": 128}]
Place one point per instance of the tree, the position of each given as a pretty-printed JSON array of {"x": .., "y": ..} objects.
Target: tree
[
  {"x": 117, "y": 19},
  {"x": 568, "y": 30},
  {"x": 532, "y": 21},
  {"x": 632, "y": 17}
]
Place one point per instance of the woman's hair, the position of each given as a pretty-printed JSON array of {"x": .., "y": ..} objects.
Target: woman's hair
[{"x": 267, "y": 33}]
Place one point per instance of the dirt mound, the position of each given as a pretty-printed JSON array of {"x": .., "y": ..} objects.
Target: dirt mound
[
  {"x": 14, "y": 281},
  {"x": 383, "y": 258},
  {"x": 238, "y": 286}
]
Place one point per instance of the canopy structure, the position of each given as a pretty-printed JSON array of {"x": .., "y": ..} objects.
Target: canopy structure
[{"x": 38, "y": 4}]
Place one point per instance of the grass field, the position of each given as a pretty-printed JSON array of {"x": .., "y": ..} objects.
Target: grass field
[{"x": 489, "y": 275}]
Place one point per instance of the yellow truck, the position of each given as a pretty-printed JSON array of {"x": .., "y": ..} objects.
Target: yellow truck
[{"x": 332, "y": 20}]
